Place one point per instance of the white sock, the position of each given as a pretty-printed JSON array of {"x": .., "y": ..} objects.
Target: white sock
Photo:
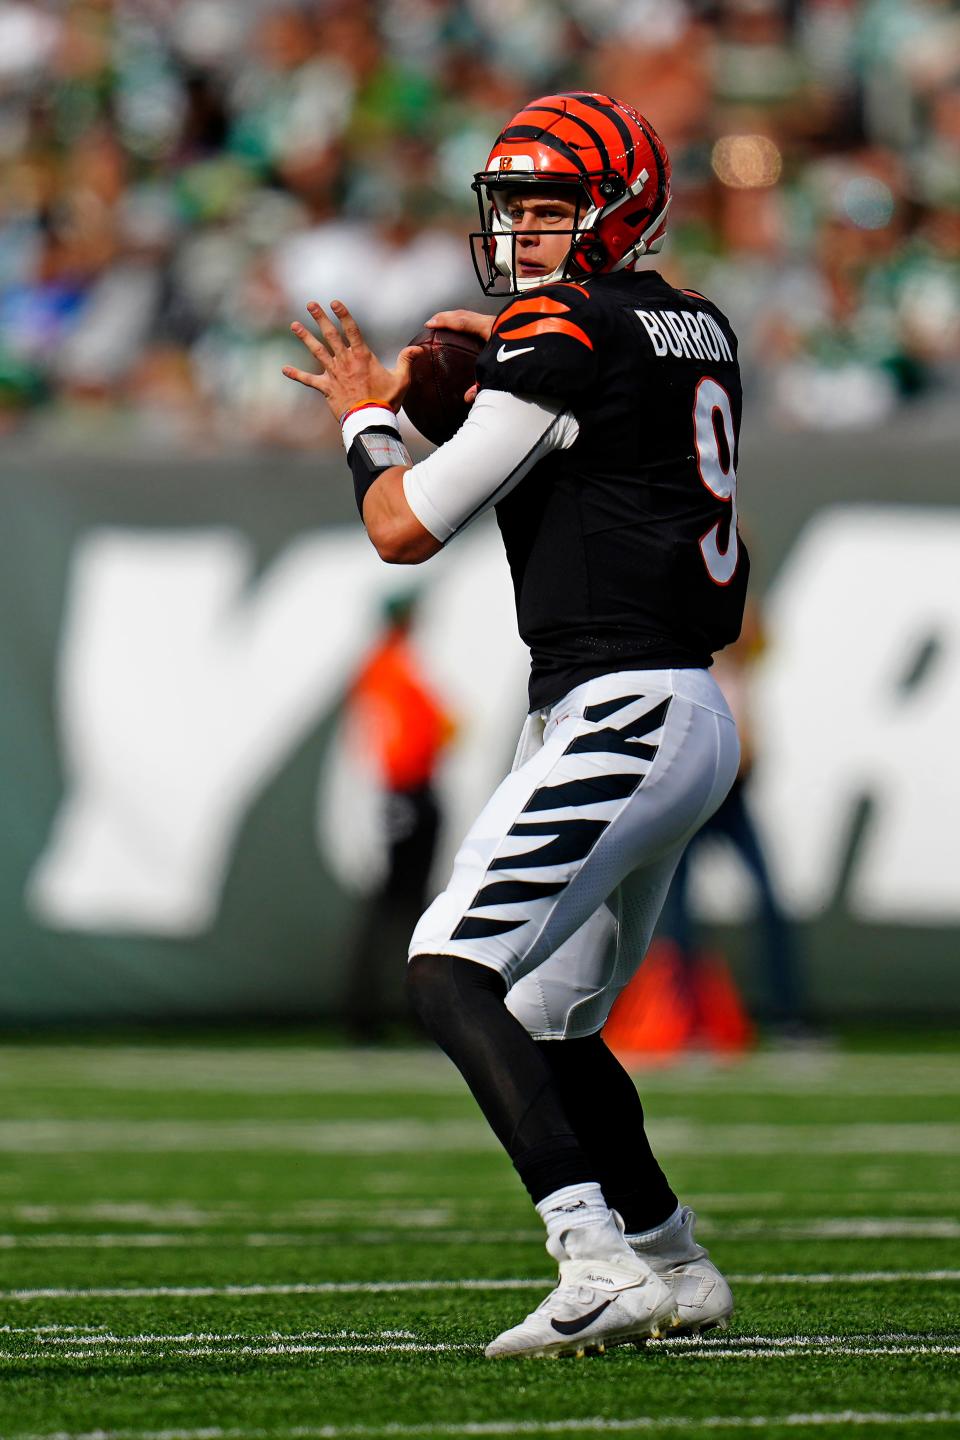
[
  {"x": 659, "y": 1233},
  {"x": 572, "y": 1209}
]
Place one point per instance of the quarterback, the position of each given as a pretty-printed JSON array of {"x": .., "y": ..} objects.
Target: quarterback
[{"x": 604, "y": 432}]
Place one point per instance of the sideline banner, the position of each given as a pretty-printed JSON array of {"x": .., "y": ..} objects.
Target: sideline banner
[{"x": 182, "y": 833}]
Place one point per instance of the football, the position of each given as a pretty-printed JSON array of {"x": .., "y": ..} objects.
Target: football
[{"x": 440, "y": 376}]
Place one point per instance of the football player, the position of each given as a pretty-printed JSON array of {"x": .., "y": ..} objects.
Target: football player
[{"x": 604, "y": 432}]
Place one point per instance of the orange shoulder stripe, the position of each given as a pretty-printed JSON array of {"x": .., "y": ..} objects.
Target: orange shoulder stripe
[
  {"x": 550, "y": 327},
  {"x": 543, "y": 305},
  {"x": 572, "y": 285}
]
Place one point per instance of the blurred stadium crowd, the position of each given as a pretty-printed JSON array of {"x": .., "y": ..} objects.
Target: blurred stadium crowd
[{"x": 180, "y": 176}]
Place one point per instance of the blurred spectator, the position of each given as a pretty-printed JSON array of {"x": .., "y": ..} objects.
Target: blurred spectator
[
  {"x": 178, "y": 179},
  {"x": 782, "y": 1003},
  {"x": 402, "y": 729}
]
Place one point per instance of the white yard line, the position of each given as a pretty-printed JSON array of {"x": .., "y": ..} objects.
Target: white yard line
[
  {"x": 848, "y": 1277},
  {"x": 450, "y": 1211},
  {"x": 593, "y": 1424},
  {"x": 774, "y": 1342},
  {"x": 126, "y": 1213},
  {"x": 379, "y": 1287},
  {"x": 181, "y": 1212},
  {"x": 89, "y": 1335},
  {"x": 52, "y": 1329},
  {"x": 236, "y": 1352},
  {"x": 256, "y": 1351},
  {"x": 468, "y": 1136},
  {"x": 344, "y": 1343},
  {"x": 866, "y": 1228},
  {"x": 793, "y": 1351},
  {"x": 321, "y": 1137},
  {"x": 93, "y": 1336},
  {"x": 134, "y": 1351},
  {"x": 264, "y": 1240}
]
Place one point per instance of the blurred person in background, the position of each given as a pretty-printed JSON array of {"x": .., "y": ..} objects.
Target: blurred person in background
[
  {"x": 401, "y": 729},
  {"x": 157, "y": 162},
  {"x": 774, "y": 946}
]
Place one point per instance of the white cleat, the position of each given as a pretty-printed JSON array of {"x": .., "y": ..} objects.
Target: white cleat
[
  {"x": 599, "y": 1302},
  {"x": 702, "y": 1296}
]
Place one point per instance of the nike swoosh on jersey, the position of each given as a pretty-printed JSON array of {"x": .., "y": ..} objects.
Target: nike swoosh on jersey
[
  {"x": 573, "y": 1327},
  {"x": 504, "y": 354}
]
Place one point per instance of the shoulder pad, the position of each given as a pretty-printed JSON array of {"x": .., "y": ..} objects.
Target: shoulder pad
[
  {"x": 560, "y": 308},
  {"x": 543, "y": 342}
]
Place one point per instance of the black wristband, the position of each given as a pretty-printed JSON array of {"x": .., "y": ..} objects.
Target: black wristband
[{"x": 374, "y": 450}]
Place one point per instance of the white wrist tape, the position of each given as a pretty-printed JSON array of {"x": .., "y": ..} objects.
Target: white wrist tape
[{"x": 365, "y": 417}]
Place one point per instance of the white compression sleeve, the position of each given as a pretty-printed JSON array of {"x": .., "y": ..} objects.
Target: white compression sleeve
[{"x": 502, "y": 438}]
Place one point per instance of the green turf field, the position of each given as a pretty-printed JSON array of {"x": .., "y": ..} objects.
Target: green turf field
[{"x": 247, "y": 1238}]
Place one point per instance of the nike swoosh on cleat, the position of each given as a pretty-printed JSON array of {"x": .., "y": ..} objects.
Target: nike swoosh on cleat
[
  {"x": 504, "y": 354},
  {"x": 573, "y": 1327}
]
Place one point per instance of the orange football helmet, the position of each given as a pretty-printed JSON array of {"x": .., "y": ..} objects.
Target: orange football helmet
[{"x": 608, "y": 154}]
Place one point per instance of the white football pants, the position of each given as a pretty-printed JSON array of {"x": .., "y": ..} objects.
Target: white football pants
[{"x": 561, "y": 877}]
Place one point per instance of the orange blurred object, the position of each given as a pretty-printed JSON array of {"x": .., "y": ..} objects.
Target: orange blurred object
[
  {"x": 670, "y": 1007},
  {"x": 402, "y": 726},
  {"x": 723, "y": 1024},
  {"x": 653, "y": 1017}
]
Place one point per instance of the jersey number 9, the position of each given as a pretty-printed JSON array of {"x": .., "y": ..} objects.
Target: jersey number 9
[{"x": 711, "y": 402}]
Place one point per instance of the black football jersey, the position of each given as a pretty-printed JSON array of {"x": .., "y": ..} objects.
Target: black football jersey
[{"x": 623, "y": 548}]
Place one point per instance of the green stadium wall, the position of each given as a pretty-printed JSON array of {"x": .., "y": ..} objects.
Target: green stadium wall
[{"x": 185, "y": 834}]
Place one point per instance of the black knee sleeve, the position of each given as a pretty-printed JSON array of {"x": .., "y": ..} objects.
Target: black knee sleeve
[
  {"x": 441, "y": 987},
  {"x": 461, "y": 1006}
]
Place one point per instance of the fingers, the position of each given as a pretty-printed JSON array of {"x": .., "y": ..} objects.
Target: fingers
[
  {"x": 314, "y": 382},
  {"x": 401, "y": 373},
  {"x": 450, "y": 320},
  {"x": 316, "y": 347},
  {"x": 471, "y": 394},
  {"x": 469, "y": 321},
  {"x": 351, "y": 329},
  {"x": 334, "y": 340},
  {"x": 407, "y": 356}
]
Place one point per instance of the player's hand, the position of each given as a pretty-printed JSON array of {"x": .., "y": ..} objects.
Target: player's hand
[
  {"x": 470, "y": 321},
  {"x": 349, "y": 371}
]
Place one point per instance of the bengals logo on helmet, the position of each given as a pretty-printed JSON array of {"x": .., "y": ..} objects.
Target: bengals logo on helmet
[{"x": 604, "y": 149}]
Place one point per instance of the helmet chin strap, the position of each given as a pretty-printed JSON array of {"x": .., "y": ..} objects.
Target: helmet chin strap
[
  {"x": 503, "y": 246},
  {"x": 532, "y": 282}
]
